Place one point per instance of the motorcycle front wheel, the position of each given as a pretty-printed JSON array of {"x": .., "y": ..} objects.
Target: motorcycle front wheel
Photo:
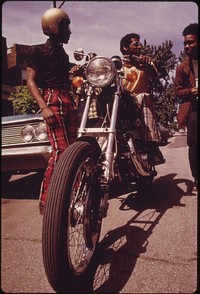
[{"x": 71, "y": 226}]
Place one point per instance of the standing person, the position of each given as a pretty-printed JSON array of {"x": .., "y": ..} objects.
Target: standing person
[
  {"x": 138, "y": 75},
  {"x": 187, "y": 90},
  {"x": 48, "y": 70}
]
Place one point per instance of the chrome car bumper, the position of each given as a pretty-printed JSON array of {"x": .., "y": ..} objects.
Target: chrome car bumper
[{"x": 25, "y": 158}]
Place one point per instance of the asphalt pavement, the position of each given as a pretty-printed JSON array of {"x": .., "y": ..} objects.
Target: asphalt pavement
[{"x": 148, "y": 244}]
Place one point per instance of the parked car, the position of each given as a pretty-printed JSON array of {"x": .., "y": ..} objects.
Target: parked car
[
  {"x": 164, "y": 133},
  {"x": 25, "y": 145}
]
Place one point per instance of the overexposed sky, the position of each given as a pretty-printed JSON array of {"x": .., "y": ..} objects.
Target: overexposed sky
[{"x": 98, "y": 26}]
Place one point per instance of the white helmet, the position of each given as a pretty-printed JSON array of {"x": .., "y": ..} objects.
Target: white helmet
[{"x": 51, "y": 19}]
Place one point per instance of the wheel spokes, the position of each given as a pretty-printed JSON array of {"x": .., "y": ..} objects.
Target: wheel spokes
[{"x": 79, "y": 253}]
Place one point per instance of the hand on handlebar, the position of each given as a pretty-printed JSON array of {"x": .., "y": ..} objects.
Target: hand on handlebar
[
  {"x": 144, "y": 60},
  {"x": 141, "y": 60},
  {"x": 75, "y": 68}
]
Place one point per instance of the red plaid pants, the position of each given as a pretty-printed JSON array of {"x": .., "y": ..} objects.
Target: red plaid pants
[{"x": 61, "y": 135}]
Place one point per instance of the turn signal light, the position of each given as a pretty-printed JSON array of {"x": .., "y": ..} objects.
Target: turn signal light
[{"x": 77, "y": 81}]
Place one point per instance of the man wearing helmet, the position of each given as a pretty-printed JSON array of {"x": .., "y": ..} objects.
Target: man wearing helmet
[{"x": 48, "y": 70}]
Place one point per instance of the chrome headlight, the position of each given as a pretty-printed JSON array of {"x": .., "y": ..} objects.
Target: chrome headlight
[
  {"x": 100, "y": 71},
  {"x": 41, "y": 132},
  {"x": 27, "y": 133}
]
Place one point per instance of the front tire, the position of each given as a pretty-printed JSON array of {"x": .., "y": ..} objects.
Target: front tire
[{"x": 71, "y": 226}]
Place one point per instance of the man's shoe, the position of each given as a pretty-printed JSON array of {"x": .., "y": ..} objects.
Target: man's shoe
[
  {"x": 158, "y": 158},
  {"x": 155, "y": 153}
]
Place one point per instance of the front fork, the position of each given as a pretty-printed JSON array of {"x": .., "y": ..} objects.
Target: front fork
[
  {"x": 110, "y": 132},
  {"x": 110, "y": 149},
  {"x": 107, "y": 163}
]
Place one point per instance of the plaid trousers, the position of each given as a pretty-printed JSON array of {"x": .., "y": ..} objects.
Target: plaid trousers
[
  {"x": 146, "y": 103},
  {"x": 61, "y": 135}
]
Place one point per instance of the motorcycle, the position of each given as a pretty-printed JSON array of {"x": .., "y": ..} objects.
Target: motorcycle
[{"x": 108, "y": 149}]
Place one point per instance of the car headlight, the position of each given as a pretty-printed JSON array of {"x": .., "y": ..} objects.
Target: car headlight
[
  {"x": 27, "y": 133},
  {"x": 100, "y": 71},
  {"x": 41, "y": 132}
]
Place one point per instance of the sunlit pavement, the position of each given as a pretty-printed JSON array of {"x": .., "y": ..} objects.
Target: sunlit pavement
[{"x": 148, "y": 244}]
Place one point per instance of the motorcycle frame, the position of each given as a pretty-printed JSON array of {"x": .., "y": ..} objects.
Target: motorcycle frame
[{"x": 110, "y": 133}]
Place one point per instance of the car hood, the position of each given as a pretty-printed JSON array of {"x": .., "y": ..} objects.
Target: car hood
[{"x": 21, "y": 118}]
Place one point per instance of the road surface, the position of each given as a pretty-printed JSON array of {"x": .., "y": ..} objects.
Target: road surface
[{"x": 147, "y": 245}]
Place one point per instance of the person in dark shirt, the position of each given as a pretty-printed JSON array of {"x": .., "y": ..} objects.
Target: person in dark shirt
[
  {"x": 186, "y": 86},
  {"x": 48, "y": 81}
]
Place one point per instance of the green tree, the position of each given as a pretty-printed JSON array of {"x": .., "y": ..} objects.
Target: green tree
[
  {"x": 166, "y": 106},
  {"x": 23, "y": 102},
  {"x": 163, "y": 85}
]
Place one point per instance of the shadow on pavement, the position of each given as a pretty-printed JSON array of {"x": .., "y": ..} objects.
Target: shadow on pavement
[
  {"x": 119, "y": 250},
  {"x": 165, "y": 194},
  {"x": 26, "y": 187}
]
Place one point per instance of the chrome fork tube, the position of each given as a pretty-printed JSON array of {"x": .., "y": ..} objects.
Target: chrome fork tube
[
  {"x": 108, "y": 172},
  {"x": 86, "y": 110},
  {"x": 109, "y": 153}
]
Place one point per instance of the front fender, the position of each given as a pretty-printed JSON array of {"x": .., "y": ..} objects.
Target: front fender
[{"x": 92, "y": 141}]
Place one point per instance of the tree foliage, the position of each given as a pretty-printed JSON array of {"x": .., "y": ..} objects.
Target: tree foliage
[
  {"x": 23, "y": 102},
  {"x": 163, "y": 85}
]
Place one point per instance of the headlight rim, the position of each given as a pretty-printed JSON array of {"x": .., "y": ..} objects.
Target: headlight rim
[
  {"x": 32, "y": 133},
  {"x": 113, "y": 72},
  {"x": 37, "y": 136}
]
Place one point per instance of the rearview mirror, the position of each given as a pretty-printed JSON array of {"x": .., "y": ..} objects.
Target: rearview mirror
[{"x": 78, "y": 54}]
